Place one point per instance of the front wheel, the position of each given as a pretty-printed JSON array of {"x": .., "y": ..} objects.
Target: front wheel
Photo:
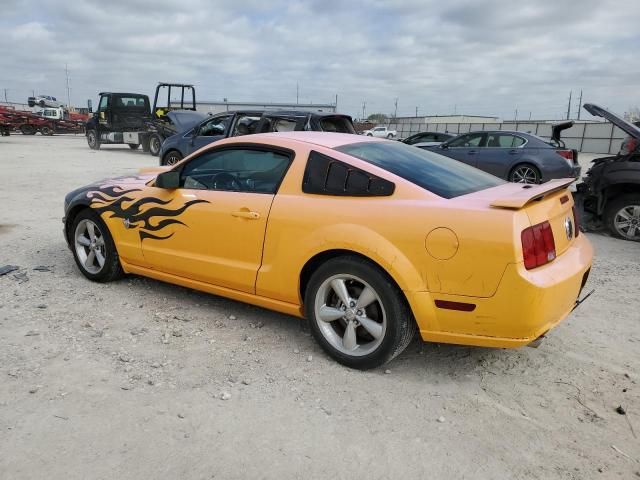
[
  {"x": 525, "y": 173},
  {"x": 390, "y": 136},
  {"x": 93, "y": 248},
  {"x": 369, "y": 134},
  {"x": 155, "y": 142},
  {"x": 622, "y": 217},
  {"x": 92, "y": 140},
  {"x": 46, "y": 131},
  {"x": 172, "y": 158},
  {"x": 357, "y": 314},
  {"x": 27, "y": 129}
]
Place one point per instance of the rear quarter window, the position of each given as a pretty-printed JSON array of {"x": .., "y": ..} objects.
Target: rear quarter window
[{"x": 438, "y": 174}]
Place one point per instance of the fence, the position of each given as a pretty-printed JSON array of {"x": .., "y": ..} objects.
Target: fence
[{"x": 600, "y": 137}]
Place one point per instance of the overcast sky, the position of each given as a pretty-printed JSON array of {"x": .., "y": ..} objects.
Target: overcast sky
[{"x": 475, "y": 57}]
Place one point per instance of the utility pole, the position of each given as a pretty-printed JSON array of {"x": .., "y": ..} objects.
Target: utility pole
[
  {"x": 297, "y": 92},
  {"x": 569, "y": 105},
  {"x": 515, "y": 116},
  {"x": 364, "y": 107},
  {"x": 395, "y": 112},
  {"x": 416, "y": 112},
  {"x": 336, "y": 104},
  {"x": 5, "y": 96},
  {"x": 580, "y": 105},
  {"x": 529, "y": 115},
  {"x": 66, "y": 72}
]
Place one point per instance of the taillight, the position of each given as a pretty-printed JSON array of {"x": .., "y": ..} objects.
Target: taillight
[
  {"x": 576, "y": 225},
  {"x": 566, "y": 154},
  {"x": 538, "y": 245}
]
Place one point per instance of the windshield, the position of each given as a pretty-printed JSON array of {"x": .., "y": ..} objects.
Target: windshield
[
  {"x": 441, "y": 175},
  {"x": 338, "y": 124}
]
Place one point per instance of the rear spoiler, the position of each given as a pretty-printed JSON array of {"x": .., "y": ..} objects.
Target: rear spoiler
[{"x": 529, "y": 193}]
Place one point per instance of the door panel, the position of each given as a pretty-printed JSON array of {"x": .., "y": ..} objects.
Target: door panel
[
  {"x": 218, "y": 239},
  {"x": 500, "y": 154}
]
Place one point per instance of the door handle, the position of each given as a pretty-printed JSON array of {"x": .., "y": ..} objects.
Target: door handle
[
  {"x": 513, "y": 152},
  {"x": 472, "y": 152},
  {"x": 246, "y": 213}
]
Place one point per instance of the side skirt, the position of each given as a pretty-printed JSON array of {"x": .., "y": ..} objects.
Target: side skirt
[{"x": 264, "y": 302}]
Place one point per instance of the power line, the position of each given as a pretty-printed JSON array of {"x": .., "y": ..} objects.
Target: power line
[{"x": 569, "y": 105}]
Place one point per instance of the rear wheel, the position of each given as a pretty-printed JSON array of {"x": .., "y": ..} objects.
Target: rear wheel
[
  {"x": 390, "y": 136},
  {"x": 92, "y": 139},
  {"x": 134, "y": 146},
  {"x": 155, "y": 142},
  {"x": 46, "y": 131},
  {"x": 369, "y": 134},
  {"x": 525, "y": 173},
  {"x": 357, "y": 314},
  {"x": 171, "y": 158},
  {"x": 622, "y": 217},
  {"x": 27, "y": 129},
  {"x": 93, "y": 248}
]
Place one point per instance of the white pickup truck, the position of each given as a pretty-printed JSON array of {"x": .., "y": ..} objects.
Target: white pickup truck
[{"x": 382, "y": 132}]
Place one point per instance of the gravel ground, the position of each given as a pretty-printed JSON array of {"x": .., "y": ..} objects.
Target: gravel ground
[{"x": 140, "y": 379}]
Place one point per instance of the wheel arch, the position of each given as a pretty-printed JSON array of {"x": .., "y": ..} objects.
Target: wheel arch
[
  {"x": 72, "y": 213},
  {"x": 319, "y": 258}
]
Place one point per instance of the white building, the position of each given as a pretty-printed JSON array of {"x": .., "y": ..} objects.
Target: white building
[{"x": 218, "y": 107}]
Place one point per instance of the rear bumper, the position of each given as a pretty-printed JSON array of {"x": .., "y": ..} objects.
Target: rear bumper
[{"x": 526, "y": 304}]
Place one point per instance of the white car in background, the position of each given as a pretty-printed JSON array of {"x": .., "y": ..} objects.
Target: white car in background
[
  {"x": 382, "y": 132},
  {"x": 44, "y": 101}
]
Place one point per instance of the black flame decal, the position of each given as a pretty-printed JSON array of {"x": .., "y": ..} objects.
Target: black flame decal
[{"x": 111, "y": 199}]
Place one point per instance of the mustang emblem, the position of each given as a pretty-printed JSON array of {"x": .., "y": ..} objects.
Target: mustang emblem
[{"x": 568, "y": 228}]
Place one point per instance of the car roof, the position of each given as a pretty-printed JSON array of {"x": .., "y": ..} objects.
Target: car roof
[{"x": 323, "y": 139}]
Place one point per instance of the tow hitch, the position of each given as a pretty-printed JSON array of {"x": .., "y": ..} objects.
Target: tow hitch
[{"x": 579, "y": 301}]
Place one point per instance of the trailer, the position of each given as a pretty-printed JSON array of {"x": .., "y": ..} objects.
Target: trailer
[{"x": 29, "y": 123}]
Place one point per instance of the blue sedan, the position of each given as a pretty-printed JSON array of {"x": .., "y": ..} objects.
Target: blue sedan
[{"x": 514, "y": 156}]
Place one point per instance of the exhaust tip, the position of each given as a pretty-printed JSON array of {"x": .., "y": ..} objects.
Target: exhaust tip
[{"x": 537, "y": 342}]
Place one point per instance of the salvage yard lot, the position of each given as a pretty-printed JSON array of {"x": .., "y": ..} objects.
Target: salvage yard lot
[{"x": 140, "y": 379}]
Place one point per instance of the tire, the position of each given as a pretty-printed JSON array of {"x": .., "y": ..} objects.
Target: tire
[
  {"x": 42, "y": 104},
  {"x": 46, "y": 131},
  {"x": 27, "y": 129},
  {"x": 385, "y": 313},
  {"x": 100, "y": 244},
  {"x": 155, "y": 142},
  {"x": 525, "y": 173},
  {"x": 624, "y": 210},
  {"x": 93, "y": 139},
  {"x": 390, "y": 136},
  {"x": 133, "y": 146},
  {"x": 369, "y": 134},
  {"x": 171, "y": 158}
]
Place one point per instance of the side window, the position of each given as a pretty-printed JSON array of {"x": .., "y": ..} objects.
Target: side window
[
  {"x": 215, "y": 126},
  {"x": 245, "y": 125},
  {"x": 324, "y": 175},
  {"x": 427, "y": 137},
  {"x": 471, "y": 140},
  {"x": 238, "y": 170},
  {"x": 378, "y": 129},
  {"x": 503, "y": 140},
  {"x": 103, "y": 103}
]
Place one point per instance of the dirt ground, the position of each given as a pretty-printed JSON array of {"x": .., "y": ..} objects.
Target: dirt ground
[{"x": 139, "y": 379}]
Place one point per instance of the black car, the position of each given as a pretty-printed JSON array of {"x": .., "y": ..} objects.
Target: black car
[
  {"x": 236, "y": 123},
  {"x": 610, "y": 192},
  {"x": 427, "y": 137}
]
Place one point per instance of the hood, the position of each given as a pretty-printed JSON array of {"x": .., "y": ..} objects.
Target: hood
[
  {"x": 185, "y": 119},
  {"x": 621, "y": 123},
  {"x": 557, "y": 129}
]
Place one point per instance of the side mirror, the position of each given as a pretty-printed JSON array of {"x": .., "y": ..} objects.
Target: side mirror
[
  {"x": 444, "y": 146},
  {"x": 168, "y": 180}
]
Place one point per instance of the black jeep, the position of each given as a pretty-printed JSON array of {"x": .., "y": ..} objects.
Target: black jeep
[{"x": 610, "y": 191}]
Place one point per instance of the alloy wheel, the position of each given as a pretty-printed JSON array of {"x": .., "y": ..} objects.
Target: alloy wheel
[
  {"x": 90, "y": 247},
  {"x": 524, "y": 174},
  {"x": 172, "y": 159},
  {"x": 627, "y": 222},
  {"x": 350, "y": 315}
]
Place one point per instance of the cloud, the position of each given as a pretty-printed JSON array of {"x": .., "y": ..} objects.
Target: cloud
[{"x": 486, "y": 57}]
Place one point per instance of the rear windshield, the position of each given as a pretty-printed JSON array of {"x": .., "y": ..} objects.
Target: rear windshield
[
  {"x": 441, "y": 175},
  {"x": 337, "y": 124},
  {"x": 131, "y": 101}
]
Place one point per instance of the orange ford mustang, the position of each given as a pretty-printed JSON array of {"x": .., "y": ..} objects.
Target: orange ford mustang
[{"x": 368, "y": 239}]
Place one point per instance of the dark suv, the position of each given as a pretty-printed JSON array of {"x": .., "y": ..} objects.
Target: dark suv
[
  {"x": 246, "y": 122},
  {"x": 610, "y": 191}
]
